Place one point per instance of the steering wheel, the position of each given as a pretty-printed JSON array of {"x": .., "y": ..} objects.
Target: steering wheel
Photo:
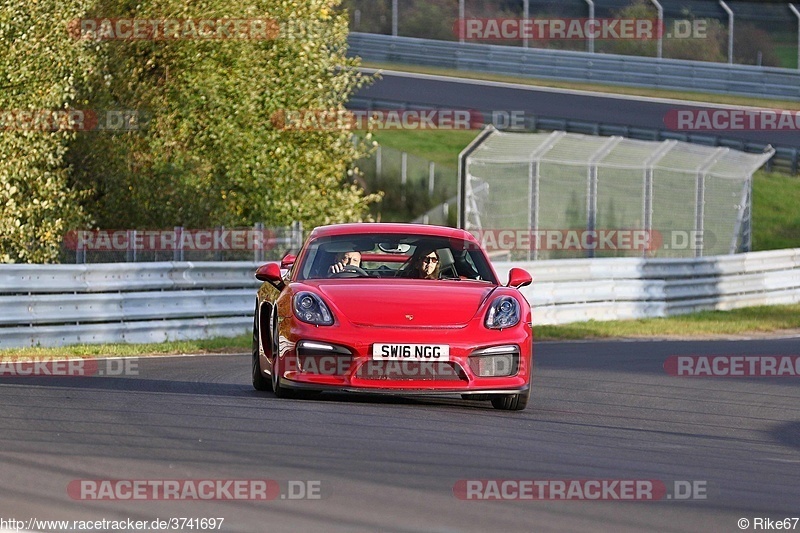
[{"x": 350, "y": 271}]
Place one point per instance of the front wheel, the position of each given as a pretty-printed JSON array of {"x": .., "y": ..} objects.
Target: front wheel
[
  {"x": 511, "y": 402},
  {"x": 277, "y": 387},
  {"x": 260, "y": 383}
]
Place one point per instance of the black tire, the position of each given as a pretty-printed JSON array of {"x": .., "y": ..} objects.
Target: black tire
[
  {"x": 511, "y": 402},
  {"x": 277, "y": 387},
  {"x": 260, "y": 383}
]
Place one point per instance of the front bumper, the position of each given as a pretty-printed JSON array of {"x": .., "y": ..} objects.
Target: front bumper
[{"x": 348, "y": 364}]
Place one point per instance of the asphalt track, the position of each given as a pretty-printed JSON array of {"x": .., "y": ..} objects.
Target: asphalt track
[
  {"x": 600, "y": 410},
  {"x": 402, "y": 88}
]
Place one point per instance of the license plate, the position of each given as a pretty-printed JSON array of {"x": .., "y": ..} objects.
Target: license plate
[{"x": 410, "y": 352}]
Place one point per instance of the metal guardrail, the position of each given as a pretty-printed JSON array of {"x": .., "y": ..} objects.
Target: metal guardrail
[
  {"x": 567, "y": 291},
  {"x": 786, "y": 158},
  {"x": 634, "y": 71},
  {"x": 56, "y": 305}
]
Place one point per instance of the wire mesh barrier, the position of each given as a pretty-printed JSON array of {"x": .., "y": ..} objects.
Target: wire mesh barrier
[
  {"x": 411, "y": 185},
  {"x": 258, "y": 243},
  {"x": 563, "y": 195}
]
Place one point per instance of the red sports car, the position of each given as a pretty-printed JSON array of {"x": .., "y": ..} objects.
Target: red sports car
[{"x": 393, "y": 308}]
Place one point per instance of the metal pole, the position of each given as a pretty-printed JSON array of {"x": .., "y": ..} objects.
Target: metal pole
[
  {"x": 797, "y": 14},
  {"x": 394, "y": 18},
  {"x": 431, "y": 177},
  {"x": 729, "y": 11},
  {"x": 461, "y": 15},
  {"x": 660, "y": 42},
  {"x": 378, "y": 164},
  {"x": 403, "y": 175},
  {"x": 591, "y": 17},
  {"x": 526, "y": 14}
]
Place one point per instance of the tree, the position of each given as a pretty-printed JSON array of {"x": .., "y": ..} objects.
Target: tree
[
  {"x": 40, "y": 70},
  {"x": 211, "y": 153}
]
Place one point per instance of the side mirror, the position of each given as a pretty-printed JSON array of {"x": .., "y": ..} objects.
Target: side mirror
[
  {"x": 271, "y": 273},
  {"x": 288, "y": 260},
  {"x": 518, "y": 277}
]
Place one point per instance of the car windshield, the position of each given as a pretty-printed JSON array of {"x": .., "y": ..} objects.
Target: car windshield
[{"x": 394, "y": 256}]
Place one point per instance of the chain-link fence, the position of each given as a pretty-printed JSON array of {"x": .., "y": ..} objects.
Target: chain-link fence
[
  {"x": 258, "y": 243},
  {"x": 763, "y": 33},
  {"x": 563, "y": 195},
  {"x": 411, "y": 185}
]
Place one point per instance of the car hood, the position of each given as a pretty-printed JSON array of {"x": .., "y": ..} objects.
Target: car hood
[{"x": 405, "y": 303}]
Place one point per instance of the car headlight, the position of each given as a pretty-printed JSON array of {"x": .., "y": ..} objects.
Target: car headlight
[
  {"x": 310, "y": 308},
  {"x": 503, "y": 313}
]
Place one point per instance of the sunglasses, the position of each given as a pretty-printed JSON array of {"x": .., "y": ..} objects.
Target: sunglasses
[{"x": 432, "y": 260}]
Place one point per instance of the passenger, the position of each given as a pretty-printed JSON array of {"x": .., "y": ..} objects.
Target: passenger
[
  {"x": 425, "y": 264},
  {"x": 345, "y": 259}
]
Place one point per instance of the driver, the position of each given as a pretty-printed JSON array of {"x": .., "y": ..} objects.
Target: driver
[{"x": 345, "y": 259}]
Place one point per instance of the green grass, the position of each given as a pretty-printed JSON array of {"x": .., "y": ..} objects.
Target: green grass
[
  {"x": 440, "y": 146},
  {"x": 787, "y": 54},
  {"x": 613, "y": 89},
  {"x": 217, "y": 345},
  {"x": 776, "y": 217},
  {"x": 749, "y": 321}
]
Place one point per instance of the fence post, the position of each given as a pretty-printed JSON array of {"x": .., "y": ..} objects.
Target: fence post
[
  {"x": 177, "y": 253},
  {"x": 258, "y": 248},
  {"x": 403, "y": 175},
  {"x": 297, "y": 235},
  {"x": 431, "y": 177},
  {"x": 130, "y": 253},
  {"x": 378, "y": 164}
]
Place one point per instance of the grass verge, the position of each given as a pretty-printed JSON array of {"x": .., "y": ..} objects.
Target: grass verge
[
  {"x": 596, "y": 87},
  {"x": 711, "y": 324},
  {"x": 776, "y": 221},
  {"x": 219, "y": 345},
  {"x": 744, "y": 322}
]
